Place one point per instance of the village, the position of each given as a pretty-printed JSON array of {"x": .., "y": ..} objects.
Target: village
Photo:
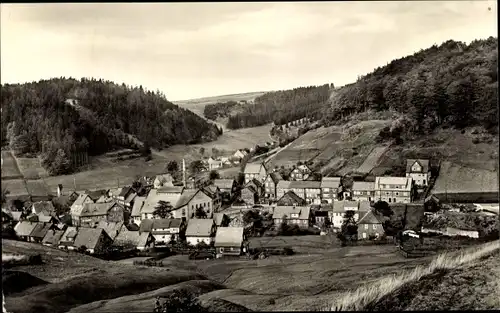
[{"x": 218, "y": 216}]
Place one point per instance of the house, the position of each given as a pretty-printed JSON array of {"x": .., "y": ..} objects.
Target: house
[
  {"x": 290, "y": 198},
  {"x": 52, "y": 237},
  {"x": 249, "y": 195},
  {"x": 23, "y": 229},
  {"x": 330, "y": 189},
  {"x": 282, "y": 187},
  {"x": 163, "y": 180},
  {"x": 240, "y": 154},
  {"x": 200, "y": 230},
  {"x": 127, "y": 239},
  {"x": 308, "y": 190},
  {"x": 96, "y": 194},
  {"x": 339, "y": 208},
  {"x": 221, "y": 220},
  {"x": 225, "y": 185},
  {"x": 301, "y": 172},
  {"x": 271, "y": 184},
  {"x": 369, "y": 226},
  {"x": 39, "y": 232},
  {"x": 214, "y": 192},
  {"x": 17, "y": 215},
  {"x": 124, "y": 196},
  {"x": 163, "y": 230},
  {"x": 77, "y": 207},
  {"x": 166, "y": 194},
  {"x": 419, "y": 170},
  {"x": 229, "y": 241},
  {"x": 363, "y": 191},
  {"x": 64, "y": 201},
  {"x": 321, "y": 218},
  {"x": 255, "y": 170},
  {"x": 296, "y": 215},
  {"x": 112, "y": 229},
  {"x": 93, "y": 213},
  {"x": 136, "y": 210},
  {"x": 394, "y": 189},
  {"x": 94, "y": 240},
  {"x": 68, "y": 238},
  {"x": 214, "y": 164},
  {"x": 191, "y": 202},
  {"x": 257, "y": 186},
  {"x": 43, "y": 207}
]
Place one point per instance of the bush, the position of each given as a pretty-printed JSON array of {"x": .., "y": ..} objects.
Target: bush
[
  {"x": 287, "y": 251},
  {"x": 180, "y": 301}
]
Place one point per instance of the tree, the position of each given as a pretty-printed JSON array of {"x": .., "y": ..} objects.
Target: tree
[
  {"x": 196, "y": 166},
  {"x": 383, "y": 208},
  {"x": 180, "y": 301},
  {"x": 349, "y": 229},
  {"x": 163, "y": 209},
  {"x": 200, "y": 213},
  {"x": 172, "y": 166},
  {"x": 202, "y": 151},
  {"x": 215, "y": 152},
  {"x": 214, "y": 175},
  {"x": 61, "y": 164}
]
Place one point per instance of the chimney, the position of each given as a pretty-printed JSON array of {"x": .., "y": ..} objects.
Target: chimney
[{"x": 59, "y": 190}]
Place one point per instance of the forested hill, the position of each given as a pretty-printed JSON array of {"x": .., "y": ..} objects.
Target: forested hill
[
  {"x": 453, "y": 84},
  {"x": 60, "y": 117},
  {"x": 282, "y": 106}
]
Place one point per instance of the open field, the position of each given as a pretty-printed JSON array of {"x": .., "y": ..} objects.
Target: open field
[
  {"x": 372, "y": 160},
  {"x": 16, "y": 187},
  {"x": 198, "y": 105},
  {"x": 10, "y": 169},
  {"x": 306, "y": 280},
  {"x": 447, "y": 283},
  {"x": 31, "y": 168}
]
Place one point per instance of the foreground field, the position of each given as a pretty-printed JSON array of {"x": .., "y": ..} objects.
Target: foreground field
[
  {"x": 308, "y": 279},
  {"x": 10, "y": 168}
]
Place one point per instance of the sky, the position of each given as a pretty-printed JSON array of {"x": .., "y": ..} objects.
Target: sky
[{"x": 193, "y": 50}]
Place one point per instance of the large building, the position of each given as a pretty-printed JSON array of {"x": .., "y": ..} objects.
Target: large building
[
  {"x": 394, "y": 189},
  {"x": 330, "y": 188},
  {"x": 308, "y": 190},
  {"x": 363, "y": 191}
]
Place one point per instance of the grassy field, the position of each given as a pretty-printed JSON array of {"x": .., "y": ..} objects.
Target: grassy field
[
  {"x": 447, "y": 283},
  {"x": 198, "y": 105},
  {"x": 9, "y": 166},
  {"x": 372, "y": 160},
  {"x": 16, "y": 187},
  {"x": 31, "y": 168}
]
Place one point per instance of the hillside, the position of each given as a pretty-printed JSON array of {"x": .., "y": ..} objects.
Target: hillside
[
  {"x": 198, "y": 105},
  {"x": 62, "y": 118},
  {"x": 440, "y": 103}
]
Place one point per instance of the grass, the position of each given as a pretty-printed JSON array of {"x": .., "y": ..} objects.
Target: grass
[
  {"x": 360, "y": 298},
  {"x": 9, "y": 166},
  {"x": 372, "y": 160},
  {"x": 31, "y": 168},
  {"x": 16, "y": 187}
]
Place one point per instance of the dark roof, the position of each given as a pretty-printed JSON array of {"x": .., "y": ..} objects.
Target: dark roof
[
  {"x": 224, "y": 183},
  {"x": 321, "y": 213},
  {"x": 276, "y": 177},
  {"x": 64, "y": 200},
  {"x": 170, "y": 189},
  {"x": 43, "y": 207},
  {"x": 40, "y": 230},
  {"x": 111, "y": 228},
  {"x": 96, "y": 194},
  {"x": 53, "y": 236},
  {"x": 423, "y": 163},
  {"x": 185, "y": 197},
  {"x": 93, "y": 209},
  {"x": 369, "y": 218},
  {"x": 88, "y": 237},
  {"x": 125, "y": 191},
  {"x": 293, "y": 196}
]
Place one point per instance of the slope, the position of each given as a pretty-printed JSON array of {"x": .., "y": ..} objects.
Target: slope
[{"x": 63, "y": 118}]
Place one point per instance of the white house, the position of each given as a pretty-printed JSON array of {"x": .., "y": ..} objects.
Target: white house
[
  {"x": 394, "y": 189},
  {"x": 163, "y": 230},
  {"x": 419, "y": 171},
  {"x": 77, "y": 207},
  {"x": 255, "y": 170},
  {"x": 199, "y": 230}
]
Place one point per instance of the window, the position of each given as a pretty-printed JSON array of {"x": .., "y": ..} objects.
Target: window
[
  {"x": 374, "y": 226},
  {"x": 424, "y": 182},
  {"x": 366, "y": 226},
  {"x": 326, "y": 189},
  {"x": 198, "y": 240},
  {"x": 364, "y": 235},
  {"x": 389, "y": 200},
  {"x": 394, "y": 200}
]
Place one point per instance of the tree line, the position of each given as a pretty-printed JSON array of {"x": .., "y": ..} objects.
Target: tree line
[
  {"x": 451, "y": 85},
  {"x": 61, "y": 117},
  {"x": 282, "y": 107},
  {"x": 217, "y": 110}
]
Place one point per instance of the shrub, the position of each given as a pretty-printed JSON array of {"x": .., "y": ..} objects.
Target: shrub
[
  {"x": 287, "y": 251},
  {"x": 180, "y": 301}
]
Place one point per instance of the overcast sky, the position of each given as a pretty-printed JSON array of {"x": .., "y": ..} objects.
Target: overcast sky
[{"x": 190, "y": 50}]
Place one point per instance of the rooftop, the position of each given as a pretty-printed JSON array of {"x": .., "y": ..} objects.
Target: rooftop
[
  {"x": 303, "y": 211},
  {"x": 229, "y": 236},
  {"x": 88, "y": 237},
  {"x": 422, "y": 162},
  {"x": 199, "y": 227}
]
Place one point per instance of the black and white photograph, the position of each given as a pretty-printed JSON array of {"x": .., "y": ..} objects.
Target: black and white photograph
[{"x": 249, "y": 156}]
